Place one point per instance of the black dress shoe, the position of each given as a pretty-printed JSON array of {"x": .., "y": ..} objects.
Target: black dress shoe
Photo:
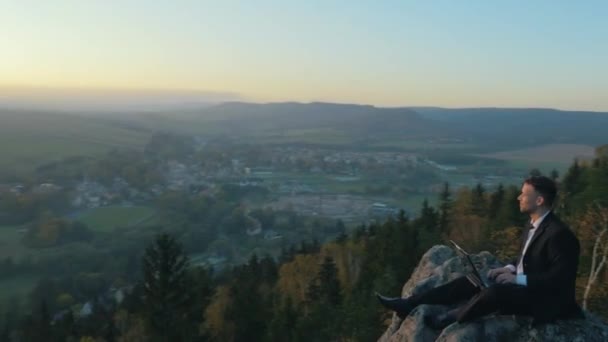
[
  {"x": 439, "y": 322},
  {"x": 401, "y": 306}
]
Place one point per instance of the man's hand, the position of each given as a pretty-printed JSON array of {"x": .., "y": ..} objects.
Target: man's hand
[
  {"x": 495, "y": 272},
  {"x": 506, "y": 278}
]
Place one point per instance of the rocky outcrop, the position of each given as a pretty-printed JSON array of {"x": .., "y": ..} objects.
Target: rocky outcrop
[{"x": 440, "y": 265}]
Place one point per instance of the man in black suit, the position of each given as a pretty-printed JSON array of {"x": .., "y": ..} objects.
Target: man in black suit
[{"x": 540, "y": 283}]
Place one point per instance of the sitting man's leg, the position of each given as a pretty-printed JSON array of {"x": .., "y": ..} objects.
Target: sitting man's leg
[
  {"x": 451, "y": 293},
  {"x": 508, "y": 299}
]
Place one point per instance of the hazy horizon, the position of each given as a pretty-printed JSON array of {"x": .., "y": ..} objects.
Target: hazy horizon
[
  {"x": 544, "y": 54},
  {"x": 117, "y": 100},
  {"x": 108, "y": 99}
]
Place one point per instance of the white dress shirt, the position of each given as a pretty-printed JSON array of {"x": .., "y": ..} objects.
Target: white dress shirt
[{"x": 521, "y": 278}]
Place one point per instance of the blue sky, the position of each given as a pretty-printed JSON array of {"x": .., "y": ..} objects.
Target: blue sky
[{"x": 391, "y": 53}]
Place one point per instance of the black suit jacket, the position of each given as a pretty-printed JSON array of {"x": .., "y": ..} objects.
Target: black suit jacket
[{"x": 550, "y": 264}]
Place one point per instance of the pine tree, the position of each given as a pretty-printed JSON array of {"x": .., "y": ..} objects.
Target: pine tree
[
  {"x": 341, "y": 229},
  {"x": 253, "y": 266},
  {"x": 554, "y": 174},
  {"x": 64, "y": 328},
  {"x": 325, "y": 287},
  {"x": 508, "y": 213},
  {"x": 496, "y": 200},
  {"x": 428, "y": 215},
  {"x": 323, "y": 299},
  {"x": 288, "y": 254},
  {"x": 44, "y": 321},
  {"x": 6, "y": 328},
  {"x": 251, "y": 307},
  {"x": 572, "y": 184},
  {"x": 283, "y": 324},
  {"x": 402, "y": 217},
  {"x": 37, "y": 327},
  {"x": 328, "y": 281},
  {"x": 427, "y": 224},
  {"x": 268, "y": 270},
  {"x": 167, "y": 290},
  {"x": 445, "y": 204},
  {"x": 478, "y": 200},
  {"x": 571, "y": 179},
  {"x": 5, "y": 332}
]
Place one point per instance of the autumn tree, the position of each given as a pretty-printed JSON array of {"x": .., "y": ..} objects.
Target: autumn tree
[{"x": 593, "y": 231}]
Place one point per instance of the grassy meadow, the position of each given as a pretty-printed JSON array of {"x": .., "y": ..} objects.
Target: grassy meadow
[
  {"x": 106, "y": 219},
  {"x": 98, "y": 219},
  {"x": 556, "y": 154},
  {"x": 10, "y": 243},
  {"x": 28, "y": 140},
  {"x": 320, "y": 136},
  {"x": 16, "y": 288},
  {"x": 424, "y": 145}
]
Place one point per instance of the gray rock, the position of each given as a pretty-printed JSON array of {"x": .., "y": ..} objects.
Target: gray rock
[{"x": 441, "y": 264}]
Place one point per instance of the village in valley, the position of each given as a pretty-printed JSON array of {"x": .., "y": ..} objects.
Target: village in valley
[
  {"x": 352, "y": 186},
  {"x": 229, "y": 200}
]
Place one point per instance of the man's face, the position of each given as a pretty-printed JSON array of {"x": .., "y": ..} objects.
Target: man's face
[{"x": 529, "y": 199}]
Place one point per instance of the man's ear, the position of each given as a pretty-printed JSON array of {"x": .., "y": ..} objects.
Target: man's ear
[{"x": 540, "y": 200}]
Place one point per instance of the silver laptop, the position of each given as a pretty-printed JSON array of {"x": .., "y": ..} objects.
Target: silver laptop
[{"x": 474, "y": 277}]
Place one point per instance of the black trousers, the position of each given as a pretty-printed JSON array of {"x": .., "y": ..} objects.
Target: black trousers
[{"x": 507, "y": 299}]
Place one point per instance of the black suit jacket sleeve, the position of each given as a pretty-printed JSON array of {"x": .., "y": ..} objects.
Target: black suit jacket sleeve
[{"x": 562, "y": 263}]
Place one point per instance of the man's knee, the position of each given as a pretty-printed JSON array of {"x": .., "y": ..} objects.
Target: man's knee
[
  {"x": 465, "y": 285},
  {"x": 492, "y": 292},
  {"x": 481, "y": 304}
]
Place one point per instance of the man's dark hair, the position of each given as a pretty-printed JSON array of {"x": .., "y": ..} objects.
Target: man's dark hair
[{"x": 545, "y": 186}]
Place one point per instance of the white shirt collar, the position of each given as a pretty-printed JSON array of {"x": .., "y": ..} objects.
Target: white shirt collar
[{"x": 537, "y": 223}]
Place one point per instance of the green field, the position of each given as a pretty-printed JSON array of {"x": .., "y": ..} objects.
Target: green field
[
  {"x": 10, "y": 243},
  {"x": 11, "y": 246},
  {"x": 106, "y": 219},
  {"x": 16, "y": 288},
  {"x": 550, "y": 153},
  {"x": 522, "y": 167},
  {"x": 545, "y": 167},
  {"x": 99, "y": 219},
  {"x": 103, "y": 219},
  {"x": 345, "y": 187},
  {"x": 423, "y": 145},
  {"x": 326, "y": 136},
  {"x": 28, "y": 140},
  {"x": 413, "y": 202}
]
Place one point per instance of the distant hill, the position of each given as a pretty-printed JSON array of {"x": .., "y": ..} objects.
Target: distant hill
[
  {"x": 30, "y": 137},
  {"x": 523, "y": 126},
  {"x": 352, "y": 119},
  {"x": 489, "y": 128}
]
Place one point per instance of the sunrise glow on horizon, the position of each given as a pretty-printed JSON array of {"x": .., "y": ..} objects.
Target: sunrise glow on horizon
[{"x": 474, "y": 54}]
